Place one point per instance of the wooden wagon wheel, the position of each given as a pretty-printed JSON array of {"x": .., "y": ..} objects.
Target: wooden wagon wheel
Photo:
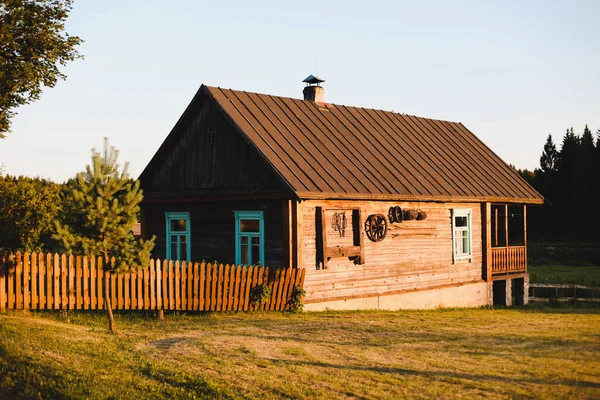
[
  {"x": 376, "y": 227},
  {"x": 392, "y": 215},
  {"x": 398, "y": 217}
]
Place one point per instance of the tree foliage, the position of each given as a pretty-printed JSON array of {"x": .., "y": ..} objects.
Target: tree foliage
[
  {"x": 29, "y": 208},
  {"x": 569, "y": 180},
  {"x": 33, "y": 43},
  {"x": 101, "y": 208}
]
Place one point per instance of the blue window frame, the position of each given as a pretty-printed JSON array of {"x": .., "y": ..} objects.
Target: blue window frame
[
  {"x": 249, "y": 237},
  {"x": 178, "y": 236}
]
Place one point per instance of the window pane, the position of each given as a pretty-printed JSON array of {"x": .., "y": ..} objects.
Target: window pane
[
  {"x": 178, "y": 225},
  {"x": 255, "y": 254},
  {"x": 457, "y": 244},
  {"x": 465, "y": 242},
  {"x": 183, "y": 250},
  {"x": 244, "y": 252},
  {"x": 174, "y": 255},
  {"x": 255, "y": 240},
  {"x": 460, "y": 221},
  {"x": 244, "y": 240},
  {"x": 249, "y": 225}
]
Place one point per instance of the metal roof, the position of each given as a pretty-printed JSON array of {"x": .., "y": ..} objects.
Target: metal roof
[{"x": 333, "y": 151}]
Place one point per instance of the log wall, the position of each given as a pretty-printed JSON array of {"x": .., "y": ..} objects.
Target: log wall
[
  {"x": 213, "y": 228},
  {"x": 415, "y": 255}
]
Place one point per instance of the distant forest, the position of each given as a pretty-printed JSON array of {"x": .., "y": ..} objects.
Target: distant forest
[{"x": 569, "y": 180}]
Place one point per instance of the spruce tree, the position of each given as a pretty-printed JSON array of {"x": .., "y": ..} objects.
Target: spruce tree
[
  {"x": 101, "y": 209},
  {"x": 549, "y": 158}
]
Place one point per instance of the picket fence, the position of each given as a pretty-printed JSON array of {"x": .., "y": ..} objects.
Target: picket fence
[{"x": 66, "y": 282}]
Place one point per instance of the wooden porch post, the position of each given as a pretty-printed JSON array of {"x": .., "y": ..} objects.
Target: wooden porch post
[
  {"x": 506, "y": 252},
  {"x": 487, "y": 241},
  {"x": 296, "y": 234},
  {"x": 288, "y": 243},
  {"x": 525, "y": 234}
]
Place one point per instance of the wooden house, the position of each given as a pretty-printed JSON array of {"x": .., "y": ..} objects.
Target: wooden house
[{"x": 383, "y": 210}]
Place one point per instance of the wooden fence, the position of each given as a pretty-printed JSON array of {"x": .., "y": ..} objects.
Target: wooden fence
[{"x": 65, "y": 282}]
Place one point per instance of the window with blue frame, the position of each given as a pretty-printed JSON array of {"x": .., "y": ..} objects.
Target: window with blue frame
[
  {"x": 178, "y": 236},
  {"x": 249, "y": 237}
]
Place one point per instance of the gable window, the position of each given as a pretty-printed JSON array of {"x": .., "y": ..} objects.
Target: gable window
[
  {"x": 211, "y": 134},
  {"x": 178, "y": 236},
  {"x": 249, "y": 237},
  {"x": 461, "y": 234}
]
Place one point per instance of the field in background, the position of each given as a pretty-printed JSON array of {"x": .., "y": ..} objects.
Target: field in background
[
  {"x": 523, "y": 352},
  {"x": 564, "y": 262}
]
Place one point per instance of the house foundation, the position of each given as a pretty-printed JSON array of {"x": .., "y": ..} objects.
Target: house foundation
[
  {"x": 511, "y": 291},
  {"x": 466, "y": 295}
]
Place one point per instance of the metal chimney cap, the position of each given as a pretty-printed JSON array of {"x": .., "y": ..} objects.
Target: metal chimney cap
[{"x": 313, "y": 80}]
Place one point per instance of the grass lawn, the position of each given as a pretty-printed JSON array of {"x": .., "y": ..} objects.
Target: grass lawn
[
  {"x": 523, "y": 352},
  {"x": 581, "y": 274}
]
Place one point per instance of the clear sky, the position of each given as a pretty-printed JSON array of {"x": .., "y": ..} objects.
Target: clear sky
[{"x": 511, "y": 71}]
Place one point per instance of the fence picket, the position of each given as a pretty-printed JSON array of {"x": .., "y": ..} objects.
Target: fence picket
[
  {"x": 19, "y": 282},
  {"x": 3, "y": 273},
  {"x": 152, "y": 283},
  {"x": 146, "y": 283},
  {"x": 71, "y": 285},
  {"x": 170, "y": 286},
  {"x": 33, "y": 281},
  {"x": 85, "y": 289},
  {"x": 139, "y": 289},
  {"x": 183, "y": 283},
  {"x": 26, "y": 272},
  {"x": 165, "y": 282},
  {"x": 113, "y": 289},
  {"x": 93, "y": 298},
  {"x": 100, "y": 283},
  {"x": 41, "y": 280},
  {"x": 190, "y": 283},
  {"x": 196, "y": 294},
  {"x": 220, "y": 275},
  {"x": 158, "y": 285},
  {"x": 78, "y": 298},
  {"x": 202, "y": 287}
]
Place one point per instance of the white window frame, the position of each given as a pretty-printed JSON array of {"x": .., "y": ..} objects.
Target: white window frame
[{"x": 462, "y": 212}]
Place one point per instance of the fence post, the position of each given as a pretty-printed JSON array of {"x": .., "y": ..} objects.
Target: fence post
[{"x": 3, "y": 269}]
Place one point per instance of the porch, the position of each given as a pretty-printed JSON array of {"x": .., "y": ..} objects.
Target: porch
[{"x": 506, "y": 240}]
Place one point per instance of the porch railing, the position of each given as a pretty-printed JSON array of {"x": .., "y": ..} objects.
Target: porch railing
[{"x": 510, "y": 259}]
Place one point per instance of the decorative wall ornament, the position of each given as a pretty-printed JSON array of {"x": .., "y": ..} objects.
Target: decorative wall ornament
[
  {"x": 409, "y": 215},
  {"x": 395, "y": 214},
  {"x": 339, "y": 223},
  {"x": 376, "y": 227}
]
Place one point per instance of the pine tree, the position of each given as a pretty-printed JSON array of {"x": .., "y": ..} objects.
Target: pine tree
[
  {"x": 549, "y": 158},
  {"x": 102, "y": 207}
]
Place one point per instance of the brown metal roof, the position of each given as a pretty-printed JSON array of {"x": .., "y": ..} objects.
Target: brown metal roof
[{"x": 325, "y": 150}]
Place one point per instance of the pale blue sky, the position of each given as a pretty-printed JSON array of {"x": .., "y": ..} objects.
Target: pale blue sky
[{"x": 511, "y": 71}]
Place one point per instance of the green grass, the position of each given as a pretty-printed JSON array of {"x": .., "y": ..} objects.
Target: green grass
[
  {"x": 582, "y": 275},
  {"x": 524, "y": 352}
]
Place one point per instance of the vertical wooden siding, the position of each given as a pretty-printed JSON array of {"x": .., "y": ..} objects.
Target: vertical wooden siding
[{"x": 61, "y": 282}]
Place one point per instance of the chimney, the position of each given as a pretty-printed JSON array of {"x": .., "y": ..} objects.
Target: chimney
[{"x": 313, "y": 90}]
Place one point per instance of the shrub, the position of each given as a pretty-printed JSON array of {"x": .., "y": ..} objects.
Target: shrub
[
  {"x": 295, "y": 302},
  {"x": 260, "y": 294}
]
